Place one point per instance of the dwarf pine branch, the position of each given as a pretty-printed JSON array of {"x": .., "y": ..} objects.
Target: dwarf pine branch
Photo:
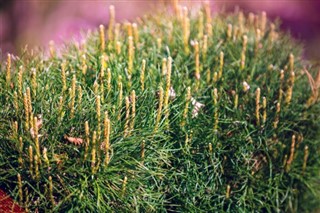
[{"x": 177, "y": 111}]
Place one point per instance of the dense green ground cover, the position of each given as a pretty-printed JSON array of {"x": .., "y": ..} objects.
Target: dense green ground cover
[{"x": 175, "y": 112}]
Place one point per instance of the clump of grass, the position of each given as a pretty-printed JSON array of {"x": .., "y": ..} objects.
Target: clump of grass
[{"x": 175, "y": 112}]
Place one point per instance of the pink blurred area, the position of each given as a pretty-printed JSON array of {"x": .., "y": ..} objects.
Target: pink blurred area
[
  {"x": 36, "y": 22},
  {"x": 300, "y": 17}
]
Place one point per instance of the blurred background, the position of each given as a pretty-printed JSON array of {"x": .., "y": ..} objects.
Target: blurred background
[{"x": 36, "y": 22}]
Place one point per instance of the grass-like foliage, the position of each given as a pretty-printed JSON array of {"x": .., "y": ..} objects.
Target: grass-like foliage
[{"x": 180, "y": 111}]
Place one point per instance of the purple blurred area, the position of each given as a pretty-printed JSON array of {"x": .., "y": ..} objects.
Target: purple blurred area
[
  {"x": 36, "y": 22},
  {"x": 300, "y": 18}
]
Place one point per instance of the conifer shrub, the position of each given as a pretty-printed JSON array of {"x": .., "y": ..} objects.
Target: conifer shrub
[{"x": 179, "y": 111}]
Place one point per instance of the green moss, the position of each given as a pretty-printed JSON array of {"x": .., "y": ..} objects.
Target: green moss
[{"x": 185, "y": 162}]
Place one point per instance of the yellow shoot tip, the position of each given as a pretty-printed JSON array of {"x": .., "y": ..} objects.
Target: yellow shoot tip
[
  {"x": 143, "y": 68},
  {"x": 228, "y": 191},
  {"x": 207, "y": 11},
  {"x": 112, "y": 11},
  {"x": 210, "y": 148},
  {"x": 197, "y": 60},
  {"x": 8, "y": 69},
  {"x": 164, "y": 66},
  {"x": 135, "y": 33},
  {"x": 305, "y": 158},
  {"x": 263, "y": 22},
  {"x": 291, "y": 156},
  {"x": 244, "y": 43},
  {"x": 124, "y": 184},
  {"x": 264, "y": 106},
  {"x": 229, "y": 31},
  {"x": 118, "y": 47},
  {"x": 20, "y": 189},
  {"x": 143, "y": 149},
  {"x": 130, "y": 56},
  {"x": 221, "y": 64},
  {"x": 52, "y": 49},
  {"x": 102, "y": 38},
  {"x": 258, "y": 106},
  {"x": 291, "y": 62}
]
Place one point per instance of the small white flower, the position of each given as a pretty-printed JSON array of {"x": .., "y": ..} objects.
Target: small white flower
[
  {"x": 197, "y": 106},
  {"x": 246, "y": 86},
  {"x": 172, "y": 93}
]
